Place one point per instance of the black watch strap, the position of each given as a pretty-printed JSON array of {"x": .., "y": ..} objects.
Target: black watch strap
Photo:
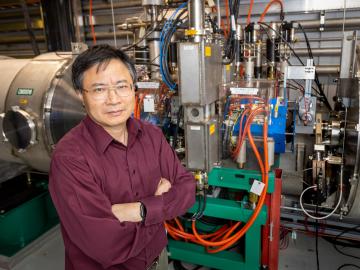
[{"x": 142, "y": 212}]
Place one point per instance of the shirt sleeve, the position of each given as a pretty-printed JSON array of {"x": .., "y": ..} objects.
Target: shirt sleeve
[
  {"x": 86, "y": 216},
  {"x": 179, "y": 198}
]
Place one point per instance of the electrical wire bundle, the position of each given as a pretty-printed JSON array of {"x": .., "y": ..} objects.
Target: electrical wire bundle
[
  {"x": 229, "y": 47},
  {"x": 228, "y": 235},
  {"x": 167, "y": 32},
  {"x": 317, "y": 82},
  {"x": 323, "y": 97}
]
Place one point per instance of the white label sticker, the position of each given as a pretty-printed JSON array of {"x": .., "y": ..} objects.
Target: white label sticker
[
  {"x": 195, "y": 127},
  {"x": 257, "y": 187},
  {"x": 148, "y": 85},
  {"x": 319, "y": 147},
  {"x": 301, "y": 72},
  {"x": 243, "y": 91},
  {"x": 149, "y": 104},
  {"x": 233, "y": 24},
  {"x": 189, "y": 48}
]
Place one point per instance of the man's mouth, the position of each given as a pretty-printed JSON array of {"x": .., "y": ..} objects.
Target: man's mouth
[{"x": 115, "y": 112}]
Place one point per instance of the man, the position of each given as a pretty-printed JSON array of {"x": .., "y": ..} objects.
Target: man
[{"x": 114, "y": 180}]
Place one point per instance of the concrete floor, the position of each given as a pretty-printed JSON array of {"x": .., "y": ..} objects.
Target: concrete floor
[{"x": 299, "y": 255}]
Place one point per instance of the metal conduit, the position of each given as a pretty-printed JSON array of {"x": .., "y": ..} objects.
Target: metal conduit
[
  {"x": 319, "y": 51},
  {"x": 328, "y": 69},
  {"x": 331, "y": 23},
  {"x": 124, "y": 4}
]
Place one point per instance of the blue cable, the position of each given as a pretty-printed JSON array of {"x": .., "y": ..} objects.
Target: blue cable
[{"x": 169, "y": 27}]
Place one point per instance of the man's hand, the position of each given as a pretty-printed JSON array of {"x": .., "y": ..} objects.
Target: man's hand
[
  {"x": 163, "y": 187},
  {"x": 127, "y": 211}
]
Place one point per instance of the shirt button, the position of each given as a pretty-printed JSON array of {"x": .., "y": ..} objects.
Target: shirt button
[
  {"x": 133, "y": 171},
  {"x": 136, "y": 193}
]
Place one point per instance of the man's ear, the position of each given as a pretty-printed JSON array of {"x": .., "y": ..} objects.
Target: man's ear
[{"x": 80, "y": 95}]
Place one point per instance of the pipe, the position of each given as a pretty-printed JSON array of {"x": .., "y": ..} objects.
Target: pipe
[
  {"x": 328, "y": 69},
  {"x": 21, "y": 53},
  {"x": 19, "y": 39},
  {"x": 196, "y": 17},
  {"x": 323, "y": 39},
  {"x": 29, "y": 28},
  {"x": 357, "y": 159},
  {"x": 76, "y": 16},
  {"x": 124, "y": 4},
  {"x": 218, "y": 9},
  {"x": 107, "y": 35},
  {"x": 331, "y": 23},
  {"x": 319, "y": 51}
]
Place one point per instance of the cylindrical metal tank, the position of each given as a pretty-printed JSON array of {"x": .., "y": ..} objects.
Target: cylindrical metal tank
[{"x": 40, "y": 107}]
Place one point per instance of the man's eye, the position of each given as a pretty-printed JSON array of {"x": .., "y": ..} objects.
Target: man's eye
[
  {"x": 99, "y": 90},
  {"x": 121, "y": 87}
]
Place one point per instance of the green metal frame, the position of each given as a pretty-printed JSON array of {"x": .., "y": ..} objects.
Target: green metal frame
[
  {"x": 227, "y": 209},
  {"x": 23, "y": 224}
]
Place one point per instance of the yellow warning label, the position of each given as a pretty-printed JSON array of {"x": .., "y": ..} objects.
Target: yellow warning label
[
  {"x": 207, "y": 51},
  {"x": 190, "y": 32},
  {"x": 23, "y": 101},
  {"x": 212, "y": 129},
  {"x": 227, "y": 67}
]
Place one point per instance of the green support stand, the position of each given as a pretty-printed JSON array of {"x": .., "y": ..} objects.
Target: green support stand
[
  {"x": 26, "y": 222},
  {"x": 249, "y": 257}
]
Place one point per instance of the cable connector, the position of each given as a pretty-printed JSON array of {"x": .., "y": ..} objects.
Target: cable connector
[{"x": 282, "y": 16}]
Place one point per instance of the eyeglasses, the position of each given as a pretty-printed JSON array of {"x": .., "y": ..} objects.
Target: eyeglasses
[{"x": 101, "y": 92}]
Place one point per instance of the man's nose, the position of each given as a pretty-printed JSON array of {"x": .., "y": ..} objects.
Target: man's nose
[{"x": 112, "y": 96}]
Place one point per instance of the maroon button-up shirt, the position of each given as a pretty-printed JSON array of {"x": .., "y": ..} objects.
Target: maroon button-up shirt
[{"x": 90, "y": 171}]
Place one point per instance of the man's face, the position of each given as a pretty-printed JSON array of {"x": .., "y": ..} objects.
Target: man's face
[{"x": 113, "y": 110}]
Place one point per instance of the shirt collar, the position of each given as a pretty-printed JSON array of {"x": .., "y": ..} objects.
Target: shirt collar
[{"x": 102, "y": 138}]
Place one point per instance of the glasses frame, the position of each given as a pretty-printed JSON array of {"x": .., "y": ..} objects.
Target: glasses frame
[{"x": 92, "y": 92}]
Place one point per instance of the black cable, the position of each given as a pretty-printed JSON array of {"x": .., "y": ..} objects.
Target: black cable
[
  {"x": 317, "y": 81},
  {"x": 284, "y": 40},
  {"x": 297, "y": 56},
  {"x": 339, "y": 235},
  {"x": 348, "y": 264},
  {"x": 150, "y": 64},
  {"x": 200, "y": 213},
  {"x": 200, "y": 210},
  {"x": 317, "y": 224},
  {"x": 178, "y": 266},
  {"x": 229, "y": 46},
  {"x": 147, "y": 34},
  {"x": 178, "y": 118},
  {"x": 166, "y": 43}
]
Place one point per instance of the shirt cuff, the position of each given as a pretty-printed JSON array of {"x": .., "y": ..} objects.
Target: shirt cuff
[{"x": 154, "y": 210}]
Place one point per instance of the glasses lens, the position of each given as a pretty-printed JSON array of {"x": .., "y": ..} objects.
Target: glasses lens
[{"x": 121, "y": 90}]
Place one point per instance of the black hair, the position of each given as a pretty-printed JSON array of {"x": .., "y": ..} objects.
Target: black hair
[{"x": 98, "y": 54}]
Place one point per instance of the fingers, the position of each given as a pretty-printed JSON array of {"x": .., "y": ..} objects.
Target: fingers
[{"x": 163, "y": 186}]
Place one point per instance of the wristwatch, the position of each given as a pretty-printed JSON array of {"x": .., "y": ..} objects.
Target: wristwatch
[{"x": 142, "y": 212}]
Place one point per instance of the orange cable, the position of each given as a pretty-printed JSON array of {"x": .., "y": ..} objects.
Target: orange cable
[
  {"x": 227, "y": 241},
  {"x": 268, "y": 7},
  {"x": 227, "y": 9},
  {"x": 91, "y": 23},
  {"x": 249, "y": 12},
  {"x": 263, "y": 195}
]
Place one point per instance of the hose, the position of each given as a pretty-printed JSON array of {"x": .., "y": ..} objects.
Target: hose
[{"x": 224, "y": 232}]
